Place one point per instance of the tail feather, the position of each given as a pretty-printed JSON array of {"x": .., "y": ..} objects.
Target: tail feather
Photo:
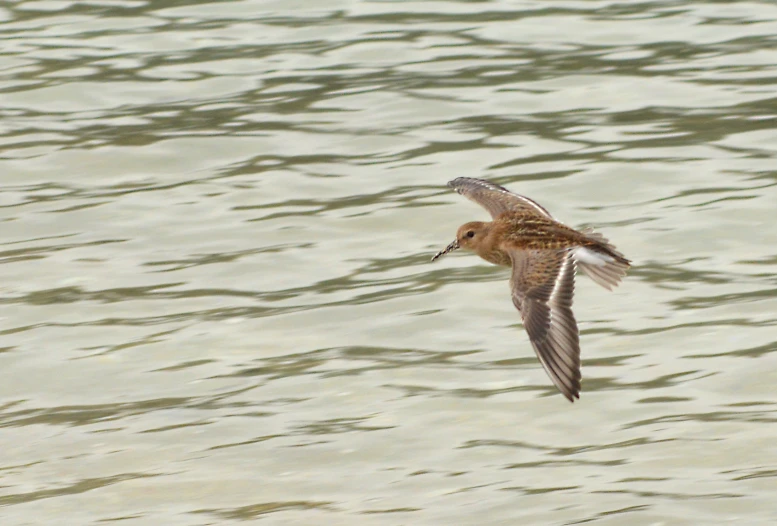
[{"x": 601, "y": 261}]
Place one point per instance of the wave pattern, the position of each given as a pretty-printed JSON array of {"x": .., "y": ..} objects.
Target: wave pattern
[{"x": 217, "y": 300}]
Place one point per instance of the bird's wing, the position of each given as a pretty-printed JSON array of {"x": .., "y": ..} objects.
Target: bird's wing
[
  {"x": 493, "y": 197},
  {"x": 543, "y": 284}
]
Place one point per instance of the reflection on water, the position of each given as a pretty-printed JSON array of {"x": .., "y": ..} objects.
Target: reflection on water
[{"x": 217, "y": 299}]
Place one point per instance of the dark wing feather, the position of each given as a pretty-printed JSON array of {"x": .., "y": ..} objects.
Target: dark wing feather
[
  {"x": 493, "y": 197},
  {"x": 543, "y": 284}
]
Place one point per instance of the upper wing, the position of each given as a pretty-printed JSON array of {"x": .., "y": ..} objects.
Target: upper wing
[
  {"x": 543, "y": 284},
  {"x": 493, "y": 197}
]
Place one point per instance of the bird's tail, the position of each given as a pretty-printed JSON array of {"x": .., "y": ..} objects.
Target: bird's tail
[{"x": 601, "y": 261}]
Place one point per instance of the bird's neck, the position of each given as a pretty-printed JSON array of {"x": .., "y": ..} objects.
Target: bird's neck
[{"x": 489, "y": 249}]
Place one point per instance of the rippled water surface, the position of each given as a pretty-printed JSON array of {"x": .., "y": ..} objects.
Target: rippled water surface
[{"x": 217, "y": 300}]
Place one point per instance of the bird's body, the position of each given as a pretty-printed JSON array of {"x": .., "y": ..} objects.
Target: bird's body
[{"x": 544, "y": 255}]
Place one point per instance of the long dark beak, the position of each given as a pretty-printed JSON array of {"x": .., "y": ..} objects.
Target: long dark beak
[{"x": 450, "y": 248}]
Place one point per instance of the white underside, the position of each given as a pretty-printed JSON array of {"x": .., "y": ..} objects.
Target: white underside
[{"x": 588, "y": 256}]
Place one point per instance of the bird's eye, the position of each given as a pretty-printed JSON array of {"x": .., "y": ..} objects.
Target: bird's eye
[{"x": 470, "y": 233}]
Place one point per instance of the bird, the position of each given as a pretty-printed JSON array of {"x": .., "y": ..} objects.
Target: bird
[{"x": 544, "y": 255}]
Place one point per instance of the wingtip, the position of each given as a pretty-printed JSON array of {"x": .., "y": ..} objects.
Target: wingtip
[{"x": 570, "y": 392}]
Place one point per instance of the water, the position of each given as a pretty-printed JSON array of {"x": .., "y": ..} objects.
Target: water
[{"x": 217, "y": 301}]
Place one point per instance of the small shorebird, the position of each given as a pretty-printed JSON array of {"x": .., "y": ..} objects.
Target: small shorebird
[{"x": 544, "y": 255}]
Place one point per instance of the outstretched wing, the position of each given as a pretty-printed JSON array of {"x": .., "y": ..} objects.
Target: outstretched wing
[
  {"x": 493, "y": 197},
  {"x": 543, "y": 284}
]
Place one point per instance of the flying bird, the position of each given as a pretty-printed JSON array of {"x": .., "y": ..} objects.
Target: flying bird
[{"x": 544, "y": 255}]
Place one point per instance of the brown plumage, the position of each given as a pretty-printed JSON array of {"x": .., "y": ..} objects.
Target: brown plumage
[{"x": 544, "y": 255}]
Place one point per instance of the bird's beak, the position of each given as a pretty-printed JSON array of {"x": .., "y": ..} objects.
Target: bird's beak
[{"x": 450, "y": 248}]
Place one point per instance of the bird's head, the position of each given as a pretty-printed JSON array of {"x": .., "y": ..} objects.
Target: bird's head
[{"x": 469, "y": 236}]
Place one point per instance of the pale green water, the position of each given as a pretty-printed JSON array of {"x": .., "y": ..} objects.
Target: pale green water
[{"x": 217, "y": 301}]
